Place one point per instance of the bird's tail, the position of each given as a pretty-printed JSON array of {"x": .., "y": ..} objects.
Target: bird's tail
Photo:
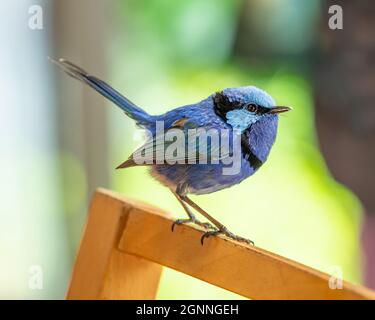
[{"x": 130, "y": 109}]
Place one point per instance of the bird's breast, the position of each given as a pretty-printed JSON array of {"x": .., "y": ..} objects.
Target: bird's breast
[{"x": 261, "y": 136}]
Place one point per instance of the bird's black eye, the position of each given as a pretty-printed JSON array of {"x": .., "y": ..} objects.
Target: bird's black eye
[{"x": 252, "y": 108}]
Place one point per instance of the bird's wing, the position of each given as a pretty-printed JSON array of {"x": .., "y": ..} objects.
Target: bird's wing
[{"x": 183, "y": 143}]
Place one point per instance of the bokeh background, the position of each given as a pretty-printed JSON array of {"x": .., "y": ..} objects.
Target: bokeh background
[{"x": 59, "y": 140}]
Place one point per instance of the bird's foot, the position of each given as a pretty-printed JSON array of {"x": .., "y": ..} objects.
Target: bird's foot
[
  {"x": 205, "y": 225},
  {"x": 227, "y": 233}
]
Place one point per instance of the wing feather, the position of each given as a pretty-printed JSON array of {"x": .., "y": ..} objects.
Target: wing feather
[{"x": 184, "y": 143}]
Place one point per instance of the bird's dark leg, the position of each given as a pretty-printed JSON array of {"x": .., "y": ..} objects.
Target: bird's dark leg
[
  {"x": 192, "y": 218},
  {"x": 221, "y": 229}
]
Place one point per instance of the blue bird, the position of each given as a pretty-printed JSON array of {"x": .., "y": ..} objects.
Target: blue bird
[{"x": 248, "y": 114}]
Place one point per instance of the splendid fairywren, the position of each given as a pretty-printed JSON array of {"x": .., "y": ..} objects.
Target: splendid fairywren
[{"x": 247, "y": 115}]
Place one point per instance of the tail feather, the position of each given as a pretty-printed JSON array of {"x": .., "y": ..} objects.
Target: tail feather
[{"x": 130, "y": 109}]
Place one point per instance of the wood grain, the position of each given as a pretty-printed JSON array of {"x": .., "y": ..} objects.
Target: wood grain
[
  {"x": 101, "y": 271},
  {"x": 245, "y": 270},
  {"x": 137, "y": 238}
]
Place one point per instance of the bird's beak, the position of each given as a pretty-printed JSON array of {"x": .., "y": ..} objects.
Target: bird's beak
[{"x": 276, "y": 110}]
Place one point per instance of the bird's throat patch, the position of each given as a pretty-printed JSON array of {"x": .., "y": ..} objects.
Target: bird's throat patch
[{"x": 241, "y": 119}]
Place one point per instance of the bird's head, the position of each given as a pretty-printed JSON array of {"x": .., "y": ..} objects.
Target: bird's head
[{"x": 244, "y": 106}]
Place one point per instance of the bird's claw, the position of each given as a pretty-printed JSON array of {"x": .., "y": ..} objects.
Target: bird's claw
[
  {"x": 210, "y": 234},
  {"x": 227, "y": 233},
  {"x": 213, "y": 231},
  {"x": 205, "y": 225}
]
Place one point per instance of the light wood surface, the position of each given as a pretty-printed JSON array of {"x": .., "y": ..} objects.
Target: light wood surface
[
  {"x": 126, "y": 243},
  {"x": 101, "y": 271}
]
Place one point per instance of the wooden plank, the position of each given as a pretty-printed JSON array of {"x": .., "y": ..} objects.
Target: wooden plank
[
  {"x": 125, "y": 243},
  {"x": 101, "y": 271},
  {"x": 130, "y": 278},
  {"x": 249, "y": 271}
]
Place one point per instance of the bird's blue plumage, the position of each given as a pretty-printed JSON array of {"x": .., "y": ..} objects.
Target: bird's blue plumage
[
  {"x": 246, "y": 112},
  {"x": 239, "y": 127},
  {"x": 208, "y": 178}
]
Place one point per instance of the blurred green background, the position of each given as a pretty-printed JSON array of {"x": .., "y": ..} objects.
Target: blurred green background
[{"x": 58, "y": 142}]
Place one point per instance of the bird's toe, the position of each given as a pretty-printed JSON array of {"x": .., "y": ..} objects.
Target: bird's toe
[
  {"x": 228, "y": 234},
  {"x": 180, "y": 222}
]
